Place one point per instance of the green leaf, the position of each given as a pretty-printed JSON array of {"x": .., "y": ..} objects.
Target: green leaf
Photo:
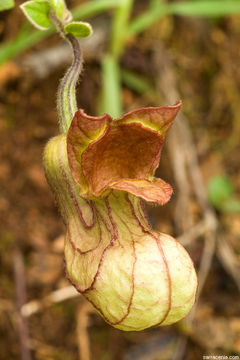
[
  {"x": 37, "y": 13},
  {"x": 25, "y": 38},
  {"x": 78, "y": 29},
  {"x": 6, "y": 4},
  {"x": 205, "y": 8},
  {"x": 137, "y": 83},
  {"x": 59, "y": 7},
  {"x": 210, "y": 8},
  {"x": 144, "y": 21},
  {"x": 232, "y": 205},
  {"x": 220, "y": 189},
  {"x": 155, "y": 4}
]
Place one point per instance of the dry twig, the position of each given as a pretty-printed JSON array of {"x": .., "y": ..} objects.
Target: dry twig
[
  {"x": 228, "y": 259},
  {"x": 21, "y": 299},
  {"x": 35, "y": 306},
  {"x": 82, "y": 330}
]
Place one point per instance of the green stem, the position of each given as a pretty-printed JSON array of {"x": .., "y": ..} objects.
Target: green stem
[
  {"x": 119, "y": 28},
  {"x": 66, "y": 99},
  {"x": 112, "y": 103},
  {"x": 112, "y": 97}
]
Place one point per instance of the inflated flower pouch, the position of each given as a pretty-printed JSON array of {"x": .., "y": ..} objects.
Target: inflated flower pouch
[{"x": 100, "y": 171}]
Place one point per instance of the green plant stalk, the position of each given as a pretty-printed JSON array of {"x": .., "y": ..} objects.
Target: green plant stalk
[
  {"x": 66, "y": 96},
  {"x": 112, "y": 98},
  {"x": 66, "y": 99},
  {"x": 112, "y": 103},
  {"x": 119, "y": 27}
]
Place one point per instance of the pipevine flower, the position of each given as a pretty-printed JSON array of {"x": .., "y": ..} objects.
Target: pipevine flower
[{"x": 100, "y": 171}]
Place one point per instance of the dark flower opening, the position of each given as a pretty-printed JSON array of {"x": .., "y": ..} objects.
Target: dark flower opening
[
  {"x": 120, "y": 154},
  {"x": 126, "y": 152}
]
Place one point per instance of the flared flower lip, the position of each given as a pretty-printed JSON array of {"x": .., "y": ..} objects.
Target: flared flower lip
[{"x": 120, "y": 154}]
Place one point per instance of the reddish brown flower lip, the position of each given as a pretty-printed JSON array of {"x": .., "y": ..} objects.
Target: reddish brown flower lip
[{"x": 120, "y": 154}]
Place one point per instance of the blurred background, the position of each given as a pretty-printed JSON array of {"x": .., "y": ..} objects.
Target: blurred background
[{"x": 188, "y": 50}]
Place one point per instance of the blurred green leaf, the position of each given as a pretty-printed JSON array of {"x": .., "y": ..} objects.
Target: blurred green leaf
[
  {"x": 78, "y": 29},
  {"x": 95, "y": 7},
  {"x": 205, "y": 8},
  {"x": 25, "y": 38},
  {"x": 155, "y": 4},
  {"x": 137, "y": 83},
  {"x": 231, "y": 205},
  {"x": 6, "y": 4},
  {"x": 37, "y": 12},
  {"x": 59, "y": 7},
  {"x": 220, "y": 189},
  {"x": 145, "y": 20}
]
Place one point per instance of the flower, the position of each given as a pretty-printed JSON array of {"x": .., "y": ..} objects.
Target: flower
[
  {"x": 120, "y": 154},
  {"x": 100, "y": 171}
]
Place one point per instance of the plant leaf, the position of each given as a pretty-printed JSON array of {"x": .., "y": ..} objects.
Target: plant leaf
[
  {"x": 137, "y": 82},
  {"x": 204, "y": 7},
  {"x": 232, "y": 205},
  {"x": 78, "y": 29},
  {"x": 220, "y": 189},
  {"x": 37, "y": 13},
  {"x": 6, "y": 4},
  {"x": 59, "y": 7},
  {"x": 207, "y": 8}
]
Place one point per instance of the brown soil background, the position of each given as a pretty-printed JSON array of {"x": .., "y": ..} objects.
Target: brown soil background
[{"x": 206, "y": 58}]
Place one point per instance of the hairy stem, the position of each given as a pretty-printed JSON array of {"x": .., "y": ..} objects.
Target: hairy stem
[
  {"x": 21, "y": 299},
  {"x": 66, "y": 99}
]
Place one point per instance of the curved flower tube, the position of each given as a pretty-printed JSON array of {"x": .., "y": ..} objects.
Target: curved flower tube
[{"x": 100, "y": 171}]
